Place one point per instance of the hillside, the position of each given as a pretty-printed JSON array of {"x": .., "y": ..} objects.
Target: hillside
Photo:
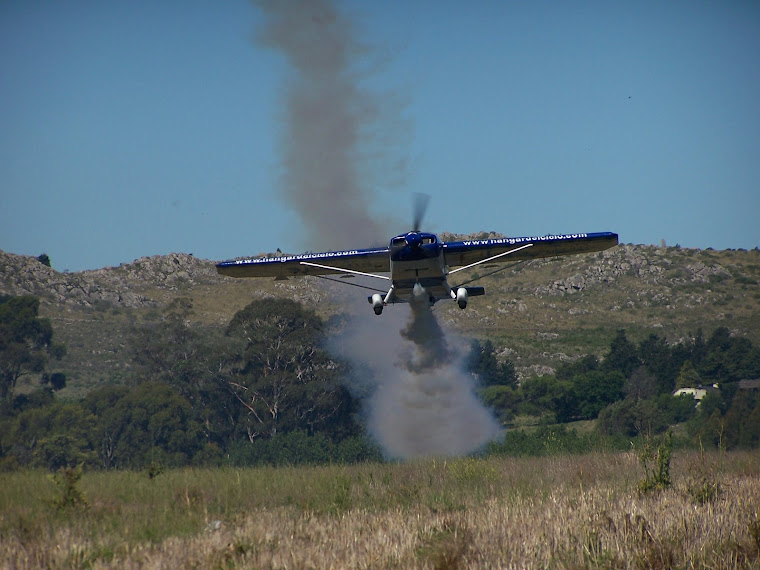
[{"x": 539, "y": 313}]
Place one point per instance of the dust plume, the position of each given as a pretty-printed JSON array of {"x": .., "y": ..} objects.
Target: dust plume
[
  {"x": 420, "y": 401},
  {"x": 330, "y": 123}
]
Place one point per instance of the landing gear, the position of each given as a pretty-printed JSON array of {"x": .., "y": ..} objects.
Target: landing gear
[
  {"x": 377, "y": 303},
  {"x": 461, "y": 297}
]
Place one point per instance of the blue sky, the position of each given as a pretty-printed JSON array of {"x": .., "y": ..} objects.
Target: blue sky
[{"x": 141, "y": 128}]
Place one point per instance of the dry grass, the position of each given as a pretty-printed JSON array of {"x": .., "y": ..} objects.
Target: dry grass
[{"x": 560, "y": 512}]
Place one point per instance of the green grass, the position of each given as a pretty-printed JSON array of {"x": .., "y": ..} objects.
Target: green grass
[{"x": 559, "y": 511}]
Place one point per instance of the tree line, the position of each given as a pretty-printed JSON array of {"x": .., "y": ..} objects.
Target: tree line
[
  {"x": 197, "y": 395},
  {"x": 264, "y": 389},
  {"x": 630, "y": 391}
]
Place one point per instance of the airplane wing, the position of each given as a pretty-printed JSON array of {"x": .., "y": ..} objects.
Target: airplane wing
[
  {"x": 328, "y": 263},
  {"x": 458, "y": 253}
]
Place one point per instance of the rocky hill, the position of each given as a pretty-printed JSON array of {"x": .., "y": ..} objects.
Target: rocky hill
[
  {"x": 539, "y": 313},
  {"x": 116, "y": 286}
]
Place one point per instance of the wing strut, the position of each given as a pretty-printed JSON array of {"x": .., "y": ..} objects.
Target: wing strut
[
  {"x": 484, "y": 260},
  {"x": 342, "y": 270},
  {"x": 347, "y": 283}
]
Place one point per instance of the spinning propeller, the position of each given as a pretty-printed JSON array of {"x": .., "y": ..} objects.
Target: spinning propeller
[
  {"x": 421, "y": 201},
  {"x": 420, "y": 206}
]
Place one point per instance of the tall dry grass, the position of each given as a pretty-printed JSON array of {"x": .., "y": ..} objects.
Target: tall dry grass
[{"x": 562, "y": 512}]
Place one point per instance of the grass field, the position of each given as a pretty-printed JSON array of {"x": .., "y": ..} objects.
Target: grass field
[{"x": 563, "y": 512}]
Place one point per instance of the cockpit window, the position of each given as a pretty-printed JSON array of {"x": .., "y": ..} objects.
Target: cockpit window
[{"x": 424, "y": 239}]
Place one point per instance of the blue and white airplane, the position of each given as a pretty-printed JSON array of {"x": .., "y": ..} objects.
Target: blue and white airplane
[{"x": 419, "y": 263}]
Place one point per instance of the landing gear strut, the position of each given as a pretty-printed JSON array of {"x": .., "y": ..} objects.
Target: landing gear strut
[
  {"x": 462, "y": 297},
  {"x": 377, "y": 303}
]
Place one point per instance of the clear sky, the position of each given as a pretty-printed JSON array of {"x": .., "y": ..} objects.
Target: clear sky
[{"x": 133, "y": 128}]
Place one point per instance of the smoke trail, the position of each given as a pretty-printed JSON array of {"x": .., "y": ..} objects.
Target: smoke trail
[
  {"x": 327, "y": 123},
  {"x": 423, "y": 330},
  {"x": 422, "y": 403}
]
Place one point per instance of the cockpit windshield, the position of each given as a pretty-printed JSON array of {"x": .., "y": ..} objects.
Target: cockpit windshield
[{"x": 413, "y": 238}]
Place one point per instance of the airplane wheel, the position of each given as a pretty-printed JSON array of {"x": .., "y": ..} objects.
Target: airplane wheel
[
  {"x": 378, "y": 310},
  {"x": 462, "y": 304}
]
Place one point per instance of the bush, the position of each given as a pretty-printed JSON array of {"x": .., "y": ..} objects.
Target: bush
[
  {"x": 656, "y": 464},
  {"x": 300, "y": 448},
  {"x": 546, "y": 440}
]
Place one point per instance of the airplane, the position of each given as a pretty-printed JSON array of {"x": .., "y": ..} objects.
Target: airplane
[{"x": 419, "y": 263}]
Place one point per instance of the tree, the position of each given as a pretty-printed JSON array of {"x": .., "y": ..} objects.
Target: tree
[
  {"x": 567, "y": 371},
  {"x": 697, "y": 348},
  {"x": 595, "y": 390},
  {"x": 729, "y": 358},
  {"x": 641, "y": 385},
  {"x": 546, "y": 393},
  {"x": 167, "y": 350},
  {"x": 26, "y": 342},
  {"x": 282, "y": 377},
  {"x": 100, "y": 403},
  {"x": 483, "y": 363},
  {"x": 195, "y": 361},
  {"x": 688, "y": 377},
  {"x": 622, "y": 356},
  {"x": 150, "y": 423},
  {"x": 631, "y": 417},
  {"x": 751, "y": 433},
  {"x": 676, "y": 409},
  {"x": 51, "y": 436},
  {"x": 740, "y": 431},
  {"x": 502, "y": 399},
  {"x": 619, "y": 417},
  {"x": 658, "y": 358}
]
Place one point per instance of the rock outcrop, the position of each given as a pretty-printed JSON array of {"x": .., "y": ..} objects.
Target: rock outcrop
[{"x": 119, "y": 286}]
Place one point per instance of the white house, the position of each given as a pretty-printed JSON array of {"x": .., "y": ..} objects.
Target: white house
[{"x": 696, "y": 393}]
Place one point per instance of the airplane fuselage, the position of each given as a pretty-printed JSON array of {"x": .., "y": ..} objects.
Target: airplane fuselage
[{"x": 416, "y": 258}]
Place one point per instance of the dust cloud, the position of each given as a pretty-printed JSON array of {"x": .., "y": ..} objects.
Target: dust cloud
[
  {"x": 409, "y": 370},
  {"x": 421, "y": 402}
]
